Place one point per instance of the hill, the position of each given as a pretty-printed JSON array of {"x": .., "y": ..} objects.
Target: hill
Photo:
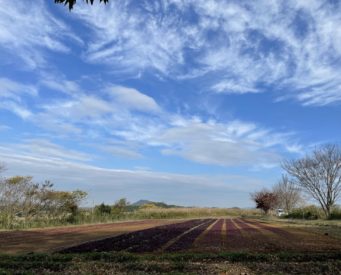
[{"x": 158, "y": 204}]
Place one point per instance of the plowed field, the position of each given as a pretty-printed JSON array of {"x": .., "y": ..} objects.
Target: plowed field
[
  {"x": 51, "y": 239},
  {"x": 210, "y": 235}
]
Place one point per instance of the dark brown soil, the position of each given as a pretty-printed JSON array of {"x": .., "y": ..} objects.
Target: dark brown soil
[{"x": 146, "y": 240}]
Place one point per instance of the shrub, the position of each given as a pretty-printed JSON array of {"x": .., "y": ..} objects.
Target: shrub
[
  {"x": 102, "y": 209},
  {"x": 336, "y": 213},
  {"x": 311, "y": 212}
]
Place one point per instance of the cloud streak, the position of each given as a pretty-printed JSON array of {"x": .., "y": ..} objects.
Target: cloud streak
[
  {"x": 111, "y": 184},
  {"x": 292, "y": 48},
  {"x": 28, "y": 29}
]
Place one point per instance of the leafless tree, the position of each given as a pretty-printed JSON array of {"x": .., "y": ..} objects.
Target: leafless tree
[
  {"x": 288, "y": 194},
  {"x": 319, "y": 174}
]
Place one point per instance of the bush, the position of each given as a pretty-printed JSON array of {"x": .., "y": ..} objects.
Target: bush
[
  {"x": 336, "y": 213},
  {"x": 311, "y": 212},
  {"x": 102, "y": 209}
]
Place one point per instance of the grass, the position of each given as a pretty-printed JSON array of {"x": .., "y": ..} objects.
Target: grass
[
  {"x": 331, "y": 228},
  {"x": 90, "y": 217},
  {"x": 179, "y": 263},
  {"x": 173, "y": 213}
]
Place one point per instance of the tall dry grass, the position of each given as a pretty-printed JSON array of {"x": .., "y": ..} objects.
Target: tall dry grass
[
  {"x": 88, "y": 216},
  {"x": 176, "y": 213}
]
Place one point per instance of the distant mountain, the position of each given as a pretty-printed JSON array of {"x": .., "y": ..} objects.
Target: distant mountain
[
  {"x": 158, "y": 204},
  {"x": 141, "y": 202}
]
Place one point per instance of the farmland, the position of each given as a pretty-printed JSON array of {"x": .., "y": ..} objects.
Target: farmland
[
  {"x": 200, "y": 246},
  {"x": 51, "y": 239},
  {"x": 209, "y": 235}
]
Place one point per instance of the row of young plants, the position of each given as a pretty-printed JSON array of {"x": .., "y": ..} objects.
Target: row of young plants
[{"x": 169, "y": 263}]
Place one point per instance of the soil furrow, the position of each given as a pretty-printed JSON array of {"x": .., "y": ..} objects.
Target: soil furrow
[
  {"x": 281, "y": 232},
  {"x": 187, "y": 240},
  {"x": 213, "y": 239},
  {"x": 234, "y": 237},
  {"x": 139, "y": 241}
]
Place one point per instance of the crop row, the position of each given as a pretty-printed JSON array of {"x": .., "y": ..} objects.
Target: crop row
[
  {"x": 139, "y": 241},
  {"x": 219, "y": 234}
]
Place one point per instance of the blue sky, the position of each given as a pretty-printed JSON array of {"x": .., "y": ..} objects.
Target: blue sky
[{"x": 187, "y": 102}]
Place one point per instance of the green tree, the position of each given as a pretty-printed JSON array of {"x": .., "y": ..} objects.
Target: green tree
[
  {"x": 103, "y": 209},
  {"x": 62, "y": 205},
  {"x": 120, "y": 206},
  {"x": 23, "y": 200}
]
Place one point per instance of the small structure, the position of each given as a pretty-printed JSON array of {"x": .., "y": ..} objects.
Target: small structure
[{"x": 280, "y": 212}]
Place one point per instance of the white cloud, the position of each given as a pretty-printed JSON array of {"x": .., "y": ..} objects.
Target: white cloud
[
  {"x": 12, "y": 94},
  {"x": 14, "y": 90},
  {"x": 45, "y": 150},
  {"x": 131, "y": 39},
  {"x": 228, "y": 86},
  {"x": 231, "y": 143},
  {"x": 107, "y": 185},
  {"x": 120, "y": 149},
  {"x": 88, "y": 118},
  {"x": 111, "y": 115},
  {"x": 227, "y": 144},
  {"x": 133, "y": 99},
  {"x": 28, "y": 28},
  {"x": 15, "y": 108},
  {"x": 59, "y": 83},
  {"x": 292, "y": 49}
]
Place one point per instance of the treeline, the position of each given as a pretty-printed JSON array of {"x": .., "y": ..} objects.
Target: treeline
[
  {"x": 24, "y": 202},
  {"x": 121, "y": 206},
  {"x": 317, "y": 175},
  {"x": 27, "y": 204},
  {"x": 157, "y": 210}
]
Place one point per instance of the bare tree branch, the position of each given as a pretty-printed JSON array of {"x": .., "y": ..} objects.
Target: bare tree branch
[
  {"x": 288, "y": 194},
  {"x": 319, "y": 174},
  {"x": 71, "y": 3}
]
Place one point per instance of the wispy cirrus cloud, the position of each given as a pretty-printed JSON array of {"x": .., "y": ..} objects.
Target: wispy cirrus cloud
[
  {"x": 44, "y": 149},
  {"x": 12, "y": 94},
  {"x": 18, "y": 109},
  {"x": 154, "y": 83},
  {"x": 292, "y": 49},
  {"x": 110, "y": 184},
  {"x": 127, "y": 120},
  {"x": 28, "y": 30},
  {"x": 230, "y": 143},
  {"x": 13, "y": 90}
]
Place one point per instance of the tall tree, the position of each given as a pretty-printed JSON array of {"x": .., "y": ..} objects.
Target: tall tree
[
  {"x": 288, "y": 194},
  {"x": 21, "y": 199},
  {"x": 120, "y": 206},
  {"x": 71, "y": 3},
  {"x": 319, "y": 173},
  {"x": 18, "y": 197}
]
